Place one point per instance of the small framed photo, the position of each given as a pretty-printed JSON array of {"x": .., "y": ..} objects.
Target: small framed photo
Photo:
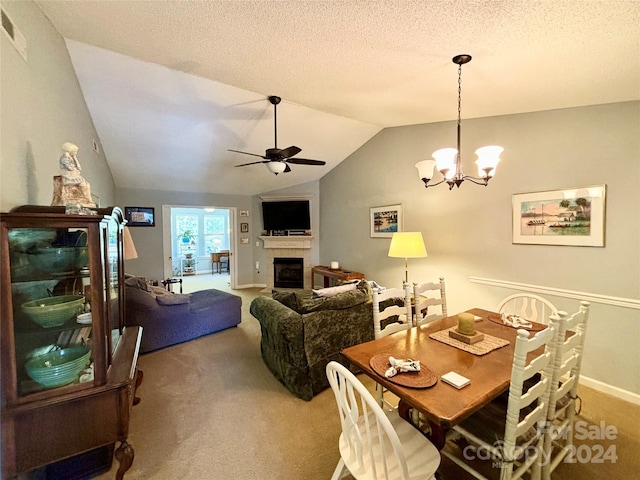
[
  {"x": 139, "y": 216},
  {"x": 244, "y": 213},
  {"x": 385, "y": 221},
  {"x": 244, "y": 240},
  {"x": 573, "y": 216},
  {"x": 244, "y": 228}
]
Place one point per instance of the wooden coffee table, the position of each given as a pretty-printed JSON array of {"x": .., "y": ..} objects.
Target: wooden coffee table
[{"x": 335, "y": 273}]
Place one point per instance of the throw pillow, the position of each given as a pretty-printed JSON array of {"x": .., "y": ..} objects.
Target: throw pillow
[
  {"x": 137, "y": 282},
  {"x": 158, "y": 290},
  {"x": 331, "y": 291},
  {"x": 175, "y": 299},
  {"x": 288, "y": 299}
]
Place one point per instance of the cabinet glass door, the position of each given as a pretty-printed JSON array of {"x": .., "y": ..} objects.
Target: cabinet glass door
[
  {"x": 113, "y": 282},
  {"x": 51, "y": 328}
]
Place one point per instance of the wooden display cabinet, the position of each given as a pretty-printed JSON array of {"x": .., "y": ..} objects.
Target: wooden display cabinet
[{"x": 48, "y": 253}]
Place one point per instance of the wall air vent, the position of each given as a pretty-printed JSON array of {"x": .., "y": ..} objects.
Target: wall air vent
[{"x": 15, "y": 35}]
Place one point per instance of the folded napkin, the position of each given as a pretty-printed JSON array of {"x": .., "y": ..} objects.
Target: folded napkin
[
  {"x": 516, "y": 321},
  {"x": 401, "y": 366}
]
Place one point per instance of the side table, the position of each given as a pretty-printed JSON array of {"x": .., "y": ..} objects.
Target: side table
[
  {"x": 334, "y": 273},
  {"x": 168, "y": 283}
]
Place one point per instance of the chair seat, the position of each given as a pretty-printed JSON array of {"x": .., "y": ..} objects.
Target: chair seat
[
  {"x": 422, "y": 456},
  {"x": 488, "y": 423}
]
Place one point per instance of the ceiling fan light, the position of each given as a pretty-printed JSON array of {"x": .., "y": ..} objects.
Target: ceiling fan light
[
  {"x": 488, "y": 158},
  {"x": 276, "y": 167},
  {"x": 425, "y": 169}
]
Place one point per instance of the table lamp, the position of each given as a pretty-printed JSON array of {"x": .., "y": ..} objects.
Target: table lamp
[
  {"x": 407, "y": 245},
  {"x": 130, "y": 251}
]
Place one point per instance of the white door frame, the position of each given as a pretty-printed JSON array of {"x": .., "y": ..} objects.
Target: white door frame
[{"x": 166, "y": 240}]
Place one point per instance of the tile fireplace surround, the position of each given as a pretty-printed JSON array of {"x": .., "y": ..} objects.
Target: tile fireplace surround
[{"x": 288, "y": 247}]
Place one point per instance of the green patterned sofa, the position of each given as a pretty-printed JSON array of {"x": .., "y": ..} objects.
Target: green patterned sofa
[{"x": 301, "y": 334}]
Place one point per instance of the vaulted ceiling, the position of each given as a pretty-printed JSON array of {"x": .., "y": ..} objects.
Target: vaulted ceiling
[{"x": 172, "y": 85}]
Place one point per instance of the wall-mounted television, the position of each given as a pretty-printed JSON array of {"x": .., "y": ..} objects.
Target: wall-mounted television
[{"x": 286, "y": 215}]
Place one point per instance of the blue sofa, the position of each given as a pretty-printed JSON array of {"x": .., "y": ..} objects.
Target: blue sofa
[{"x": 167, "y": 318}]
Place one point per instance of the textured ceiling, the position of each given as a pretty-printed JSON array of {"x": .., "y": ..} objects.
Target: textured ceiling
[{"x": 174, "y": 84}]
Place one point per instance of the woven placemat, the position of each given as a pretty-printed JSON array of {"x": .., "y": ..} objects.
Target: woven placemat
[
  {"x": 535, "y": 327},
  {"x": 425, "y": 378},
  {"x": 483, "y": 347}
]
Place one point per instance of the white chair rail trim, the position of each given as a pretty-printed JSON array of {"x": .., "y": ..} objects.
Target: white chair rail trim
[{"x": 559, "y": 292}]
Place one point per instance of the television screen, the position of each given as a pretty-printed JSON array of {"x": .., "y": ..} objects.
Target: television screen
[{"x": 286, "y": 215}]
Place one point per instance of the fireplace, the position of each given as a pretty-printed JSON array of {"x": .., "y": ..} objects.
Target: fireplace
[{"x": 288, "y": 272}]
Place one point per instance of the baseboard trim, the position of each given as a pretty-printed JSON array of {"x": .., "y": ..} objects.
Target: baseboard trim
[
  {"x": 251, "y": 285},
  {"x": 625, "y": 395},
  {"x": 559, "y": 292}
]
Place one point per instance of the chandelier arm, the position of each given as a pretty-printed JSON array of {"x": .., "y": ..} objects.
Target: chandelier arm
[
  {"x": 483, "y": 181},
  {"x": 427, "y": 184}
]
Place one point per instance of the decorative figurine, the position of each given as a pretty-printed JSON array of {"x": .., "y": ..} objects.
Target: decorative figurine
[{"x": 70, "y": 187}]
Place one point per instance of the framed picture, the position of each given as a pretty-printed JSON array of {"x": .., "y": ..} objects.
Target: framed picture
[
  {"x": 244, "y": 228},
  {"x": 574, "y": 216},
  {"x": 139, "y": 217},
  {"x": 244, "y": 213},
  {"x": 244, "y": 240},
  {"x": 385, "y": 221}
]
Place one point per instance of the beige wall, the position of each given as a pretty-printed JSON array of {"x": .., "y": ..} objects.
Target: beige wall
[
  {"x": 41, "y": 106},
  {"x": 467, "y": 231}
]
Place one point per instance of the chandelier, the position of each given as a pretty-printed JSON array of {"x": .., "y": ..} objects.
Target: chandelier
[{"x": 448, "y": 161}]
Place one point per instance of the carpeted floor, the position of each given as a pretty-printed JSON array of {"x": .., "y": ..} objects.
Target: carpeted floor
[{"x": 210, "y": 409}]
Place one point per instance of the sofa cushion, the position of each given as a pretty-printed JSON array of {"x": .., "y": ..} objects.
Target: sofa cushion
[
  {"x": 340, "y": 301},
  {"x": 303, "y": 301},
  {"x": 175, "y": 299}
]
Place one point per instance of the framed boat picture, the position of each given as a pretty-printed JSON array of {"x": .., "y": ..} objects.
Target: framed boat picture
[
  {"x": 385, "y": 221},
  {"x": 572, "y": 217}
]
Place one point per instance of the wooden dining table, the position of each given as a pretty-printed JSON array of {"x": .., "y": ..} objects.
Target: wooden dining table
[{"x": 443, "y": 405}]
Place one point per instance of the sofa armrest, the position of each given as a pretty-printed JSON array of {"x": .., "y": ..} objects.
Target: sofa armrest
[
  {"x": 282, "y": 345},
  {"x": 282, "y": 324}
]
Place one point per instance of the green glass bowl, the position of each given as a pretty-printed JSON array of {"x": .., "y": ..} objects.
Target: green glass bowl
[
  {"x": 58, "y": 368},
  {"x": 59, "y": 259},
  {"x": 53, "y": 311}
]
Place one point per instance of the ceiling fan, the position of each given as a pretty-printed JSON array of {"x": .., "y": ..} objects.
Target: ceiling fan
[{"x": 278, "y": 160}]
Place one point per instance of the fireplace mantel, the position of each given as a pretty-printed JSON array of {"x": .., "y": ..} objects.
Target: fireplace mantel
[{"x": 293, "y": 241}]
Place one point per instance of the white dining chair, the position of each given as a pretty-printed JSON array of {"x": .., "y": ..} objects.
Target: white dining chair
[
  {"x": 427, "y": 295},
  {"x": 528, "y": 306},
  {"x": 375, "y": 444},
  {"x": 564, "y": 390},
  {"x": 388, "y": 304},
  {"x": 511, "y": 434}
]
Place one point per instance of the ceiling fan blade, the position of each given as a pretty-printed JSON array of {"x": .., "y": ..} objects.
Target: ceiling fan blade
[
  {"x": 247, "y": 153},
  {"x": 306, "y": 161},
  {"x": 287, "y": 169},
  {"x": 290, "y": 152},
  {"x": 252, "y": 163}
]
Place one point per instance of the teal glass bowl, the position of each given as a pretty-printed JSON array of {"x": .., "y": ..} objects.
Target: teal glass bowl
[
  {"x": 58, "y": 368},
  {"x": 59, "y": 260},
  {"x": 53, "y": 311}
]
